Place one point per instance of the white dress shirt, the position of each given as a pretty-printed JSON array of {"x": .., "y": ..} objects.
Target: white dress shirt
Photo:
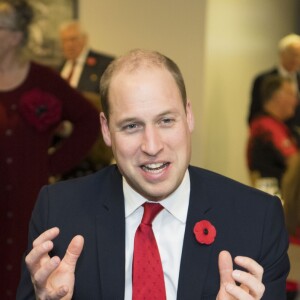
[
  {"x": 80, "y": 61},
  {"x": 168, "y": 228}
]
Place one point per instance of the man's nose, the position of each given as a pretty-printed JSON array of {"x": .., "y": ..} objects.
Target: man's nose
[{"x": 152, "y": 142}]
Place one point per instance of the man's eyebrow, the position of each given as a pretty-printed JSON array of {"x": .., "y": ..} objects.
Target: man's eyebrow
[
  {"x": 168, "y": 112},
  {"x": 128, "y": 120}
]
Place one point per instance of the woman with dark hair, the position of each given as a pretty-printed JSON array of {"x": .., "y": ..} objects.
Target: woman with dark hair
[
  {"x": 33, "y": 102},
  {"x": 272, "y": 147}
]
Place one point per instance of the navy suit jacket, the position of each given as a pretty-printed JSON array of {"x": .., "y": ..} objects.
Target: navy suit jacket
[
  {"x": 94, "y": 67},
  {"x": 248, "y": 222}
]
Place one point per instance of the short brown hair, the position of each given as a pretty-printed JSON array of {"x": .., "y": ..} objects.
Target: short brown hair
[
  {"x": 271, "y": 85},
  {"x": 130, "y": 62}
]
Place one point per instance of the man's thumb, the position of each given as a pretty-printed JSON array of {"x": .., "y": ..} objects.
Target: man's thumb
[
  {"x": 225, "y": 267},
  {"x": 74, "y": 250}
]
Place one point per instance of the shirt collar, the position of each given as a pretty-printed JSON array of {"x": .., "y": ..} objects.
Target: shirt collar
[
  {"x": 284, "y": 73},
  {"x": 177, "y": 203},
  {"x": 80, "y": 60}
]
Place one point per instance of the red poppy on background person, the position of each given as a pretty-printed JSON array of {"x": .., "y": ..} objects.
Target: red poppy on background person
[
  {"x": 205, "y": 232},
  {"x": 42, "y": 110},
  {"x": 91, "y": 61}
]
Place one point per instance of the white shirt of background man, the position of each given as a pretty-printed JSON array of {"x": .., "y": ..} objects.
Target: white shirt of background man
[{"x": 80, "y": 61}]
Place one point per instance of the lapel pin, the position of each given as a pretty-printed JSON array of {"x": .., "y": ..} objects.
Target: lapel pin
[{"x": 205, "y": 232}]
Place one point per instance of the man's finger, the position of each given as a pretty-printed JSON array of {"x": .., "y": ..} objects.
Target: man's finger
[
  {"x": 38, "y": 256},
  {"x": 41, "y": 276},
  {"x": 48, "y": 235},
  {"x": 250, "y": 265},
  {"x": 225, "y": 268},
  {"x": 237, "y": 292},
  {"x": 252, "y": 279},
  {"x": 73, "y": 252}
]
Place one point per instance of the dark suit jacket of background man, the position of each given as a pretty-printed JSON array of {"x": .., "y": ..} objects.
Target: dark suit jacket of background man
[
  {"x": 255, "y": 104},
  {"x": 95, "y": 65},
  {"x": 89, "y": 80},
  {"x": 248, "y": 222}
]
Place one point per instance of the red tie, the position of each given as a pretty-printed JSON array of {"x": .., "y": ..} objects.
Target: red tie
[{"x": 147, "y": 273}]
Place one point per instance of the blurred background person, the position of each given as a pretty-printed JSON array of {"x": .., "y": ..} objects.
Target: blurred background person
[
  {"x": 33, "y": 101},
  {"x": 269, "y": 158},
  {"x": 288, "y": 67},
  {"x": 82, "y": 68},
  {"x": 291, "y": 197},
  {"x": 272, "y": 147}
]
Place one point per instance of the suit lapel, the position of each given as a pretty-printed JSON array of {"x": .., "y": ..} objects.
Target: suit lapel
[
  {"x": 195, "y": 257},
  {"x": 90, "y": 75},
  {"x": 110, "y": 232}
]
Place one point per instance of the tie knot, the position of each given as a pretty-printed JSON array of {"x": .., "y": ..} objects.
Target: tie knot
[{"x": 150, "y": 212}]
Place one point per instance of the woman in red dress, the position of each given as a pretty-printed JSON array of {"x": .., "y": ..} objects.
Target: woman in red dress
[
  {"x": 33, "y": 102},
  {"x": 272, "y": 147}
]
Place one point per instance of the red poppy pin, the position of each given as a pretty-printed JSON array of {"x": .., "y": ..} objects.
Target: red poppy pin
[
  {"x": 91, "y": 61},
  {"x": 205, "y": 232}
]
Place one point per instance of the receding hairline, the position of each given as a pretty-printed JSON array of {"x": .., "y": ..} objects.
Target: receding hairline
[
  {"x": 134, "y": 60},
  {"x": 288, "y": 42},
  {"x": 72, "y": 24},
  {"x": 137, "y": 58}
]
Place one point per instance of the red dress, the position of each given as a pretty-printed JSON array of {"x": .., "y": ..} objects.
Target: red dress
[
  {"x": 29, "y": 115},
  {"x": 270, "y": 144}
]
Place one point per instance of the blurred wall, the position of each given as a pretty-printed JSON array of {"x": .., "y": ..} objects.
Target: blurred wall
[
  {"x": 240, "y": 40},
  {"x": 219, "y": 46}
]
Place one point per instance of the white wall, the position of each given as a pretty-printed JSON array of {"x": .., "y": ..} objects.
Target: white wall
[
  {"x": 241, "y": 40},
  {"x": 219, "y": 46},
  {"x": 172, "y": 27}
]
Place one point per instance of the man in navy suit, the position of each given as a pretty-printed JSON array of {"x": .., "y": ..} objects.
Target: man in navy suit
[
  {"x": 289, "y": 65},
  {"x": 82, "y": 231},
  {"x": 83, "y": 67}
]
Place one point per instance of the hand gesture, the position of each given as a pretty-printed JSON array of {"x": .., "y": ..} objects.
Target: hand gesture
[
  {"x": 251, "y": 286},
  {"x": 53, "y": 278}
]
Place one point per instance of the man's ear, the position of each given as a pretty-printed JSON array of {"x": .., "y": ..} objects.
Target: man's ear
[
  {"x": 190, "y": 115},
  {"x": 105, "y": 129}
]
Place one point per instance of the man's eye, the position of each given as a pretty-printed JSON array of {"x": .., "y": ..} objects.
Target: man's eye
[
  {"x": 130, "y": 127},
  {"x": 167, "y": 121}
]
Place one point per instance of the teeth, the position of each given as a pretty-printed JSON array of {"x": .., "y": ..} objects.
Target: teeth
[{"x": 154, "y": 168}]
